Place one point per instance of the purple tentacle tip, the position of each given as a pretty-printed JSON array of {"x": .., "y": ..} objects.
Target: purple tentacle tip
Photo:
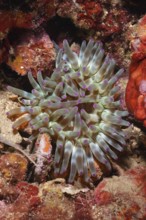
[
  {"x": 81, "y": 173},
  {"x": 78, "y": 74}
]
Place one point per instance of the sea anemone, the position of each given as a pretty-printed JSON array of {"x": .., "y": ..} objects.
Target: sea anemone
[{"x": 79, "y": 107}]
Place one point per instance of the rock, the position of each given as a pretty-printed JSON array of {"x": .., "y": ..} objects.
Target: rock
[
  {"x": 122, "y": 197},
  {"x": 13, "y": 167},
  {"x": 33, "y": 52},
  {"x": 5, "y": 123}
]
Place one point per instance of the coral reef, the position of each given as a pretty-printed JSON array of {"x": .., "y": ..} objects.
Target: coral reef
[
  {"x": 97, "y": 15},
  {"x": 18, "y": 18},
  {"x": 9, "y": 20},
  {"x": 66, "y": 125},
  {"x": 119, "y": 198},
  {"x": 17, "y": 207},
  {"x": 136, "y": 87},
  {"x": 90, "y": 13},
  {"x": 53, "y": 201},
  {"x": 103, "y": 20},
  {"x": 26, "y": 15},
  {"x": 78, "y": 106},
  {"x": 13, "y": 167},
  {"x": 84, "y": 14},
  {"x": 122, "y": 197},
  {"x": 32, "y": 52}
]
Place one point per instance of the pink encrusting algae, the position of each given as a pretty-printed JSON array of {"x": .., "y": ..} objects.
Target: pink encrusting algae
[{"x": 136, "y": 87}]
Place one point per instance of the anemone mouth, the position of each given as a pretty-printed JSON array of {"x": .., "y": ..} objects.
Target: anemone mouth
[{"x": 77, "y": 107}]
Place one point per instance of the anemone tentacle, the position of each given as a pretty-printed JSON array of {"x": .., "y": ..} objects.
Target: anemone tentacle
[{"x": 79, "y": 107}]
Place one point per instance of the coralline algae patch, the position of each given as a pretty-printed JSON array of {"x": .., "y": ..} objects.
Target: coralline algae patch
[
  {"x": 79, "y": 107},
  {"x": 18, "y": 18},
  {"x": 136, "y": 87},
  {"x": 136, "y": 92},
  {"x": 122, "y": 197},
  {"x": 33, "y": 52}
]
